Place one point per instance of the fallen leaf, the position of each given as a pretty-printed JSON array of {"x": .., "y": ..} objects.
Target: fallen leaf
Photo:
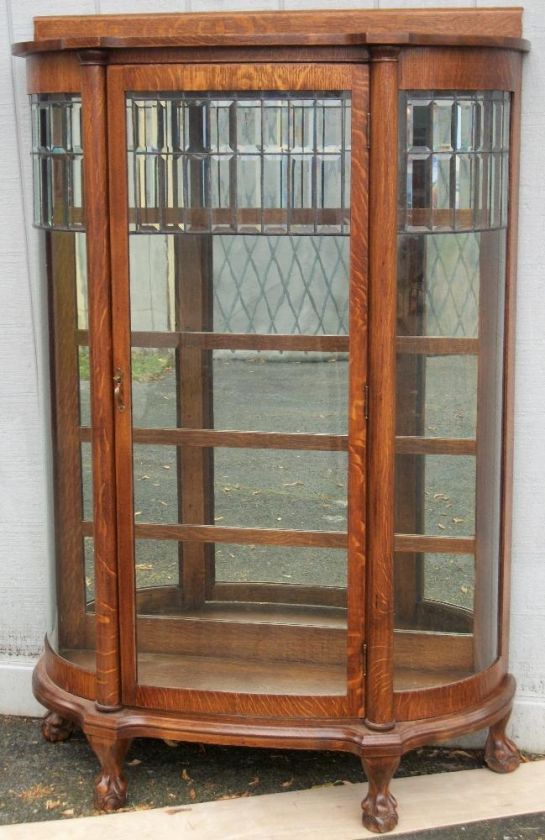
[
  {"x": 192, "y": 794},
  {"x": 185, "y": 776},
  {"x": 254, "y": 782},
  {"x": 51, "y": 804},
  {"x": 144, "y": 567},
  {"x": 166, "y": 466},
  {"x": 134, "y": 762},
  {"x": 293, "y": 483},
  {"x": 218, "y": 518},
  {"x": 439, "y": 525},
  {"x": 457, "y": 519},
  {"x": 288, "y": 783},
  {"x": 68, "y": 813}
]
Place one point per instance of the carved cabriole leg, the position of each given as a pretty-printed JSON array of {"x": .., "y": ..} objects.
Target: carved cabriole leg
[
  {"x": 379, "y": 806},
  {"x": 110, "y": 784},
  {"x": 500, "y": 753},
  {"x": 56, "y": 728}
]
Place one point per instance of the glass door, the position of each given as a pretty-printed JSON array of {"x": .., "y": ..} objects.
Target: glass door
[{"x": 239, "y": 276}]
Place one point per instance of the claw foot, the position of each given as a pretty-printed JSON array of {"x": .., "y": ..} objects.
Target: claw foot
[
  {"x": 110, "y": 792},
  {"x": 56, "y": 728},
  {"x": 379, "y": 807},
  {"x": 500, "y": 753},
  {"x": 110, "y": 784}
]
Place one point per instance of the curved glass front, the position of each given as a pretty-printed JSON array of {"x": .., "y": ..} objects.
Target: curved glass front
[
  {"x": 454, "y": 157},
  {"x": 57, "y": 154}
]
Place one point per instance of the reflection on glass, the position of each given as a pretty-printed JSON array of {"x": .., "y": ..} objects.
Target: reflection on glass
[
  {"x": 442, "y": 496},
  {"x": 87, "y": 481},
  {"x": 256, "y": 284},
  {"x": 89, "y": 555},
  {"x": 439, "y": 395},
  {"x": 253, "y": 488}
]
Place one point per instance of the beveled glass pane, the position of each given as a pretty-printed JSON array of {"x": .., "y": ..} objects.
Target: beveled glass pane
[
  {"x": 419, "y": 125},
  {"x": 57, "y": 154},
  {"x": 474, "y": 127},
  {"x": 440, "y": 489},
  {"x": 218, "y": 151}
]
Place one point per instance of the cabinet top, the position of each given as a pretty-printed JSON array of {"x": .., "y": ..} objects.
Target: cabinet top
[{"x": 494, "y": 27}]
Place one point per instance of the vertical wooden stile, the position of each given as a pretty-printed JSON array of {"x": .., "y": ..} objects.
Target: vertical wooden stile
[
  {"x": 102, "y": 405},
  {"x": 358, "y": 390},
  {"x": 383, "y": 189}
]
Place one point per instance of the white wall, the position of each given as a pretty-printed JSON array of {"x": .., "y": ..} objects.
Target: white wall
[{"x": 26, "y": 576}]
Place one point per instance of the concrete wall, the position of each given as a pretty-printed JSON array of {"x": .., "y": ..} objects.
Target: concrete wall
[{"x": 27, "y": 607}]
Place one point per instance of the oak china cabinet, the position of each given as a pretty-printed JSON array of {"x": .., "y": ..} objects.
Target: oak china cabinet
[{"x": 280, "y": 254}]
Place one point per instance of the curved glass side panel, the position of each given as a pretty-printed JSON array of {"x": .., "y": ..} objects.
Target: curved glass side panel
[
  {"x": 454, "y": 151},
  {"x": 57, "y": 161},
  {"x": 58, "y": 209}
]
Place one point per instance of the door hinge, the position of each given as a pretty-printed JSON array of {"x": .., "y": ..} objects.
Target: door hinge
[
  {"x": 364, "y": 658},
  {"x": 366, "y": 401},
  {"x": 368, "y": 129}
]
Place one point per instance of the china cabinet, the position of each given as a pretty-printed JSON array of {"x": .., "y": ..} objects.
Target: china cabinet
[{"x": 280, "y": 253}]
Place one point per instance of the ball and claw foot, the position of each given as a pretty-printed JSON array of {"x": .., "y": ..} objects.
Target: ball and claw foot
[
  {"x": 379, "y": 806},
  {"x": 500, "y": 753},
  {"x": 379, "y": 813},
  {"x": 110, "y": 792},
  {"x": 56, "y": 728}
]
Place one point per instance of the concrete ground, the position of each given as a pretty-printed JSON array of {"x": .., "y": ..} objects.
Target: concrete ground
[
  {"x": 43, "y": 787},
  {"x": 208, "y": 792}
]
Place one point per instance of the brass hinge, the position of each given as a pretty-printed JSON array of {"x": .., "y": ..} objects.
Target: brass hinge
[
  {"x": 368, "y": 129},
  {"x": 366, "y": 401},
  {"x": 364, "y": 658}
]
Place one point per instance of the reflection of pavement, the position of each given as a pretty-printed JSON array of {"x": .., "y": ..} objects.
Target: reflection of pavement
[{"x": 304, "y": 490}]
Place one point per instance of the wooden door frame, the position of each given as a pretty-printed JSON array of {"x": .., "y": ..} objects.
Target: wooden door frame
[{"x": 352, "y": 77}]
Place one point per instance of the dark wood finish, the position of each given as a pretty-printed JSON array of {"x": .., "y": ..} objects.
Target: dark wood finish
[
  {"x": 61, "y": 254},
  {"x": 56, "y": 728},
  {"x": 422, "y": 344},
  {"x": 458, "y": 69},
  {"x": 302, "y": 733},
  {"x": 203, "y": 438},
  {"x": 241, "y": 536},
  {"x": 500, "y": 753},
  {"x": 57, "y": 72},
  {"x": 358, "y": 377},
  {"x": 193, "y": 265},
  {"x": 102, "y": 408},
  {"x": 379, "y": 806},
  {"x": 381, "y": 423},
  {"x": 110, "y": 784},
  {"x": 493, "y": 22},
  {"x": 281, "y": 674}
]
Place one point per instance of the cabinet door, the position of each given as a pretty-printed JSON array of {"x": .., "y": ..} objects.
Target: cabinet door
[{"x": 239, "y": 264}]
